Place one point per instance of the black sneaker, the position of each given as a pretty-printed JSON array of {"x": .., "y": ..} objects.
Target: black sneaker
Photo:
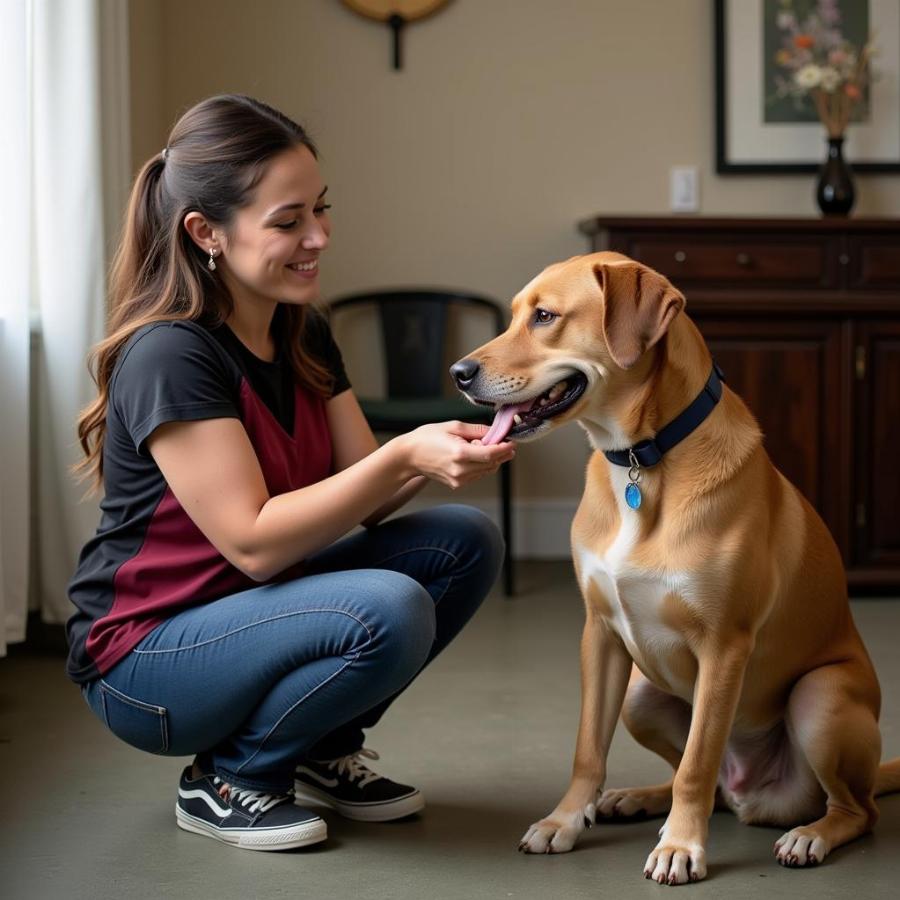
[
  {"x": 354, "y": 790},
  {"x": 252, "y": 820}
]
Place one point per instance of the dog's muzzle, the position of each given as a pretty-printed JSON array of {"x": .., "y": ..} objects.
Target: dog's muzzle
[{"x": 519, "y": 420}]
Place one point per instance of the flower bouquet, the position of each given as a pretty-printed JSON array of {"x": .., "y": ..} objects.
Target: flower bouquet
[{"x": 818, "y": 61}]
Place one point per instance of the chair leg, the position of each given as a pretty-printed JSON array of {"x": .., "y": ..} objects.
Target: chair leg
[{"x": 506, "y": 524}]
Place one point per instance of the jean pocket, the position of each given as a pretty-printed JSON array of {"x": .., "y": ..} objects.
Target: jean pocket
[{"x": 143, "y": 725}]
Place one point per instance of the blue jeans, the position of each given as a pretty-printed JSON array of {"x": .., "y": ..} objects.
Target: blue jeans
[{"x": 256, "y": 681}]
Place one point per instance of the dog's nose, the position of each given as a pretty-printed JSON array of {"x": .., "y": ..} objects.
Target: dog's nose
[{"x": 464, "y": 372}]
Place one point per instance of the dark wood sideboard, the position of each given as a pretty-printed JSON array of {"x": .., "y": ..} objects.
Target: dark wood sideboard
[{"x": 803, "y": 315}]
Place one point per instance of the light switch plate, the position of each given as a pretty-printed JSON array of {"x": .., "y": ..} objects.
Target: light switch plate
[{"x": 684, "y": 189}]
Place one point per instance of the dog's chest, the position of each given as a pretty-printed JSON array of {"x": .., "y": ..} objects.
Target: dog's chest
[{"x": 637, "y": 604}]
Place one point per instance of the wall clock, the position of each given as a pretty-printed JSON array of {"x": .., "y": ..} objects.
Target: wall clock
[{"x": 396, "y": 14}]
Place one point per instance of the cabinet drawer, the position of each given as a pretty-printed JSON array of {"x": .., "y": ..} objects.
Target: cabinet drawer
[
  {"x": 777, "y": 260},
  {"x": 875, "y": 263}
]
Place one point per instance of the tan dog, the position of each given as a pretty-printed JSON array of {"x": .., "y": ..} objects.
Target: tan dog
[{"x": 724, "y": 588}]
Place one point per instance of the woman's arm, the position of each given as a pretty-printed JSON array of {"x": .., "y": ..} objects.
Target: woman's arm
[
  {"x": 352, "y": 440},
  {"x": 213, "y": 471},
  {"x": 404, "y": 495}
]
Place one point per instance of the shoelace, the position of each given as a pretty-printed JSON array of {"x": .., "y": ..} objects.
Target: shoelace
[
  {"x": 353, "y": 766},
  {"x": 254, "y": 801}
]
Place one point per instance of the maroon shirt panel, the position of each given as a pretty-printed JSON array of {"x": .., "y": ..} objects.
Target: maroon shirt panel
[{"x": 177, "y": 567}]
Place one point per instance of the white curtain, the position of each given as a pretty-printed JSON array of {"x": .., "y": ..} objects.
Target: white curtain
[
  {"x": 14, "y": 332},
  {"x": 74, "y": 170}
]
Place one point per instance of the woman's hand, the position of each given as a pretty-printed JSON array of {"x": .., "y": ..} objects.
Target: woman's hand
[{"x": 452, "y": 452}]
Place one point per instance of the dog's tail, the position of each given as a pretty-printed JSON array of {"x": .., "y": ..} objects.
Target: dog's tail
[{"x": 887, "y": 781}]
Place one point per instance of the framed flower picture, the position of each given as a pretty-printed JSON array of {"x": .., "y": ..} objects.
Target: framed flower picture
[{"x": 788, "y": 72}]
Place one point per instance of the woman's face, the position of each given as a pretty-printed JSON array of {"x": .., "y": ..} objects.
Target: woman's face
[{"x": 271, "y": 251}]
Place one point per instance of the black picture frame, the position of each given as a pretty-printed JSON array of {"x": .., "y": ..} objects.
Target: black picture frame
[{"x": 725, "y": 154}]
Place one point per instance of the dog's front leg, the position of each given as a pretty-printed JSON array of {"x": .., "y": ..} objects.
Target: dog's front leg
[
  {"x": 680, "y": 855},
  {"x": 605, "y": 667}
]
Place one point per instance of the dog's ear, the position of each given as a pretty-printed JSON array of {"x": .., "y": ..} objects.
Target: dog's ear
[{"x": 639, "y": 305}]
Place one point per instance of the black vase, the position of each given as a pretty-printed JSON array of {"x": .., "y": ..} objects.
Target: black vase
[{"x": 834, "y": 191}]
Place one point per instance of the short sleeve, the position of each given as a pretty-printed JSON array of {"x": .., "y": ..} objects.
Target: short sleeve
[
  {"x": 320, "y": 342},
  {"x": 171, "y": 372}
]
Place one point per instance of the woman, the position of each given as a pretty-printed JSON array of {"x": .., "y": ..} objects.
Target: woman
[{"x": 221, "y": 612}]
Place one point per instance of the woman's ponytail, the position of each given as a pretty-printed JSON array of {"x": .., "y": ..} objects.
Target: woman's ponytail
[{"x": 141, "y": 248}]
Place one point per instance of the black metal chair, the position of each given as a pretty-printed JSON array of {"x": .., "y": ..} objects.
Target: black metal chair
[{"x": 418, "y": 389}]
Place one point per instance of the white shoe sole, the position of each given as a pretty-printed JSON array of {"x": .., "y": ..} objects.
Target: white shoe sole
[
  {"x": 386, "y": 811},
  {"x": 284, "y": 838}
]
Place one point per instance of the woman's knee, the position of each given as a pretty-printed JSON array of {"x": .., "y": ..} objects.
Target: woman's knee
[
  {"x": 476, "y": 532},
  {"x": 402, "y": 617}
]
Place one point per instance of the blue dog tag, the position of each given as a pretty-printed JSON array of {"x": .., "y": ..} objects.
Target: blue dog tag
[{"x": 633, "y": 495}]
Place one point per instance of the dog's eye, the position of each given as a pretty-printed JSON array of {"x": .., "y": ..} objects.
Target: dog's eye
[{"x": 543, "y": 316}]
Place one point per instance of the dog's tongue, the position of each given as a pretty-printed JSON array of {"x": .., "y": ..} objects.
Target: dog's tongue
[{"x": 503, "y": 422}]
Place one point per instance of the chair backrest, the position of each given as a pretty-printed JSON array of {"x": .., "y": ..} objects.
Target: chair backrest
[{"x": 414, "y": 333}]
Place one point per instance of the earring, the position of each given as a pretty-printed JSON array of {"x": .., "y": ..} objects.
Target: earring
[{"x": 211, "y": 265}]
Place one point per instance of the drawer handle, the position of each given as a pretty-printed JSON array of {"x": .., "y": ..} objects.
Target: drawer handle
[
  {"x": 743, "y": 259},
  {"x": 680, "y": 256}
]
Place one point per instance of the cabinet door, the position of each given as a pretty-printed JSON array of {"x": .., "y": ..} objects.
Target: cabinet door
[
  {"x": 789, "y": 372},
  {"x": 876, "y": 472}
]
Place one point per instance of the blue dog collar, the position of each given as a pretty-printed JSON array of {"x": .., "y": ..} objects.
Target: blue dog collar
[{"x": 649, "y": 452}]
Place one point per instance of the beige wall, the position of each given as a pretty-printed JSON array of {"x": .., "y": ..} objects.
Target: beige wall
[{"x": 511, "y": 121}]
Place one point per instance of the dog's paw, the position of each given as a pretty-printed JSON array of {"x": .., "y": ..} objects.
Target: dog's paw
[
  {"x": 557, "y": 833},
  {"x": 633, "y": 803},
  {"x": 800, "y": 847},
  {"x": 676, "y": 862}
]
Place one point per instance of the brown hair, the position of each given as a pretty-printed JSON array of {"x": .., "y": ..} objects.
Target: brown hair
[{"x": 216, "y": 155}]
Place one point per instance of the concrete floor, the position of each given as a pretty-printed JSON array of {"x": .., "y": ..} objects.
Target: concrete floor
[{"x": 487, "y": 733}]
